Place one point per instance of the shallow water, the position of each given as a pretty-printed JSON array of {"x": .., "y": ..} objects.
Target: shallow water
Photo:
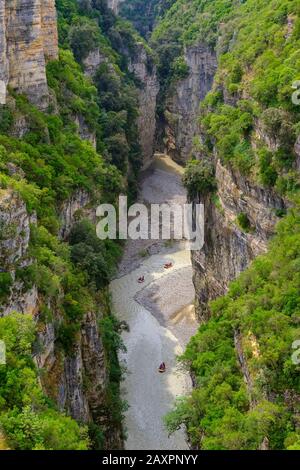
[{"x": 160, "y": 319}]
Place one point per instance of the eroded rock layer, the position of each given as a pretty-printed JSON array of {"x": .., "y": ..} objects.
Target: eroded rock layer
[{"x": 28, "y": 39}]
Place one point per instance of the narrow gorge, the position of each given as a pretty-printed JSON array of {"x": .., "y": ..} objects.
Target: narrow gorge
[{"x": 167, "y": 102}]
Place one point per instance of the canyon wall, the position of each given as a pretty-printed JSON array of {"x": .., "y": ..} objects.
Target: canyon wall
[
  {"x": 64, "y": 376},
  {"x": 145, "y": 71},
  {"x": 228, "y": 248},
  {"x": 183, "y": 101},
  {"x": 114, "y": 5},
  {"x": 78, "y": 380},
  {"x": 28, "y": 39},
  {"x": 14, "y": 243},
  {"x": 140, "y": 64}
]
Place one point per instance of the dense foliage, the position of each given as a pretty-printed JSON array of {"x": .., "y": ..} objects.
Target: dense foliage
[
  {"x": 27, "y": 418},
  {"x": 144, "y": 14},
  {"x": 84, "y": 29},
  {"x": 199, "y": 178},
  {"x": 261, "y": 310},
  {"x": 249, "y": 117}
]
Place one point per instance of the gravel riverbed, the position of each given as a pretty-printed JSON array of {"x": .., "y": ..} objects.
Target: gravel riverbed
[{"x": 161, "y": 319}]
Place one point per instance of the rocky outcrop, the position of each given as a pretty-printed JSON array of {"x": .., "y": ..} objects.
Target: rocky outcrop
[
  {"x": 145, "y": 71},
  {"x": 14, "y": 241},
  {"x": 92, "y": 61},
  {"x": 73, "y": 208},
  {"x": 84, "y": 130},
  {"x": 14, "y": 229},
  {"x": 114, "y": 5},
  {"x": 28, "y": 39},
  {"x": 228, "y": 248},
  {"x": 49, "y": 29},
  {"x": 143, "y": 68},
  {"x": 297, "y": 152},
  {"x": 76, "y": 380},
  {"x": 182, "y": 106}
]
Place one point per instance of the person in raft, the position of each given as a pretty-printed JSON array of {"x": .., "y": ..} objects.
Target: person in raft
[
  {"x": 168, "y": 265},
  {"x": 162, "y": 368}
]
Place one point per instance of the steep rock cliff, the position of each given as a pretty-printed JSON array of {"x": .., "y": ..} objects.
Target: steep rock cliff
[
  {"x": 114, "y": 5},
  {"x": 76, "y": 205},
  {"x": 145, "y": 71},
  {"x": 28, "y": 39},
  {"x": 77, "y": 381},
  {"x": 14, "y": 242},
  {"x": 184, "y": 98},
  {"x": 228, "y": 248}
]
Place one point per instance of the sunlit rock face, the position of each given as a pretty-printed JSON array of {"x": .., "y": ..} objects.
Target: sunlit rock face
[
  {"x": 147, "y": 89},
  {"x": 28, "y": 39},
  {"x": 147, "y": 93},
  {"x": 182, "y": 107},
  {"x": 114, "y": 5},
  {"x": 15, "y": 224},
  {"x": 228, "y": 249}
]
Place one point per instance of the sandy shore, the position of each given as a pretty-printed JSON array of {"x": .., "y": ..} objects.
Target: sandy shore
[{"x": 161, "y": 319}]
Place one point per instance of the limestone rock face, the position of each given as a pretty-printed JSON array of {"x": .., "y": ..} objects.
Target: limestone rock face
[
  {"x": 147, "y": 92},
  {"x": 114, "y": 5},
  {"x": 14, "y": 227},
  {"x": 14, "y": 241},
  {"x": 92, "y": 61},
  {"x": 183, "y": 102},
  {"x": 228, "y": 250},
  {"x": 49, "y": 29},
  {"x": 297, "y": 152},
  {"x": 28, "y": 38}
]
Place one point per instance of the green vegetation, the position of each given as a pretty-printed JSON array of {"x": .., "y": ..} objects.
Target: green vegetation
[
  {"x": 46, "y": 164},
  {"x": 262, "y": 308},
  {"x": 5, "y": 285},
  {"x": 198, "y": 22},
  {"x": 258, "y": 53},
  {"x": 144, "y": 14},
  {"x": 55, "y": 162},
  {"x": 85, "y": 29},
  {"x": 92, "y": 256},
  {"x": 27, "y": 418},
  {"x": 199, "y": 178},
  {"x": 110, "y": 330},
  {"x": 243, "y": 221},
  {"x": 264, "y": 71},
  {"x": 249, "y": 122}
]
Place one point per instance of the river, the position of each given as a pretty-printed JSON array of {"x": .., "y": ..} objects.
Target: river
[{"x": 160, "y": 316}]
